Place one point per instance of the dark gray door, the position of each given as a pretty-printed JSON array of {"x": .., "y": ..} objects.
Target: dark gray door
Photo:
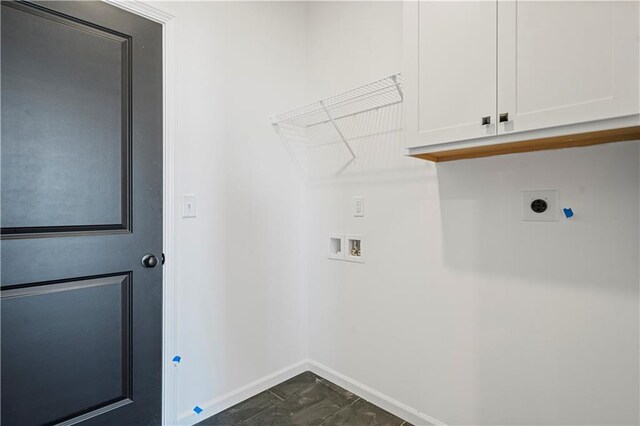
[{"x": 81, "y": 204}]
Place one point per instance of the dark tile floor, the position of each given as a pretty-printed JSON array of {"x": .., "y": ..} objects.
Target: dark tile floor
[{"x": 306, "y": 399}]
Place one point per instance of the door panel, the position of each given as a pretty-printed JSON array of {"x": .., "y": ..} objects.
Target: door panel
[
  {"x": 81, "y": 318},
  {"x": 77, "y": 169},
  {"x": 566, "y": 62},
  {"x": 91, "y": 316},
  {"x": 450, "y": 71}
]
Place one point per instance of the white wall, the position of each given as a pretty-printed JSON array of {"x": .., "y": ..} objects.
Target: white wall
[
  {"x": 463, "y": 311},
  {"x": 241, "y": 312}
]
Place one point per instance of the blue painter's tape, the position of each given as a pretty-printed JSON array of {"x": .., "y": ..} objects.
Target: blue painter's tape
[
  {"x": 197, "y": 409},
  {"x": 568, "y": 212},
  {"x": 177, "y": 359}
]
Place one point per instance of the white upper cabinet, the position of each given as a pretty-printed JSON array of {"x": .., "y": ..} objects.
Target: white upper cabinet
[
  {"x": 567, "y": 62},
  {"x": 528, "y": 65},
  {"x": 450, "y": 70}
]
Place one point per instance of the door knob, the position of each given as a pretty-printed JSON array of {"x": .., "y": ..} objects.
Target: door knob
[{"x": 149, "y": 261}]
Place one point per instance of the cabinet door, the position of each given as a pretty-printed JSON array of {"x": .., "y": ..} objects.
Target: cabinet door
[
  {"x": 566, "y": 62},
  {"x": 450, "y": 71}
]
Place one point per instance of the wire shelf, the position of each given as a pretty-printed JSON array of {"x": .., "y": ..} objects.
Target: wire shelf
[{"x": 317, "y": 136}]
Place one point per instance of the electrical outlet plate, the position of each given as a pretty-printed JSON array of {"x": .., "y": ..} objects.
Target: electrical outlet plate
[
  {"x": 358, "y": 206},
  {"x": 336, "y": 247},
  {"x": 549, "y": 215},
  {"x": 354, "y": 250}
]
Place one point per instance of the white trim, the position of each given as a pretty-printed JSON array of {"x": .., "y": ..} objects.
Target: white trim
[
  {"x": 373, "y": 396},
  {"x": 230, "y": 399},
  {"x": 143, "y": 9},
  {"x": 169, "y": 303},
  {"x": 214, "y": 406}
]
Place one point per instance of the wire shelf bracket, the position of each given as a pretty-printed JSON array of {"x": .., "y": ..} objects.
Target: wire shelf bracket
[{"x": 323, "y": 123}]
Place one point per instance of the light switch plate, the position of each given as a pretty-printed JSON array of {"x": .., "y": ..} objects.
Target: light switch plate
[
  {"x": 189, "y": 205},
  {"x": 358, "y": 206},
  {"x": 545, "y": 198}
]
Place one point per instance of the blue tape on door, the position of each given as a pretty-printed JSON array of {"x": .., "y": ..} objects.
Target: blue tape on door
[
  {"x": 176, "y": 359},
  {"x": 568, "y": 212},
  {"x": 197, "y": 409}
]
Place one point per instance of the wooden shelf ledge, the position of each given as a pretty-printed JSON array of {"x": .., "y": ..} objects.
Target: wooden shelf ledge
[{"x": 555, "y": 142}]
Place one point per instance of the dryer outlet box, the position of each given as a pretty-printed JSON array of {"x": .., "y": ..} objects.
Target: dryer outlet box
[{"x": 540, "y": 206}]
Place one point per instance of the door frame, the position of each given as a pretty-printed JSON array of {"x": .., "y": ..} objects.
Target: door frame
[{"x": 169, "y": 127}]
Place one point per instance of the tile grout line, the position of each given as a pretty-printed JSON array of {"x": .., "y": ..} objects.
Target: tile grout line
[
  {"x": 325, "y": 381},
  {"x": 269, "y": 390},
  {"x": 343, "y": 408},
  {"x": 268, "y": 408},
  {"x": 331, "y": 387},
  {"x": 262, "y": 411}
]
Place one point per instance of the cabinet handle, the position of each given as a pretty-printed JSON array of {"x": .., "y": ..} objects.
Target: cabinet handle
[
  {"x": 504, "y": 117},
  {"x": 486, "y": 120}
]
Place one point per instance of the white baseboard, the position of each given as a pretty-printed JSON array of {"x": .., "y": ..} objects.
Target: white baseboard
[
  {"x": 373, "y": 396},
  {"x": 232, "y": 398},
  {"x": 383, "y": 401}
]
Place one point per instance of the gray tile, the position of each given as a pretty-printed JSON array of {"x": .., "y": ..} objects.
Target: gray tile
[
  {"x": 314, "y": 404},
  {"x": 295, "y": 384},
  {"x": 307, "y": 400},
  {"x": 242, "y": 411},
  {"x": 362, "y": 413},
  {"x": 342, "y": 391},
  {"x": 273, "y": 416},
  {"x": 309, "y": 407}
]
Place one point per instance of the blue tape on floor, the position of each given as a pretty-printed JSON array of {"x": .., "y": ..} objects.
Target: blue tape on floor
[
  {"x": 197, "y": 409},
  {"x": 176, "y": 359},
  {"x": 568, "y": 212}
]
